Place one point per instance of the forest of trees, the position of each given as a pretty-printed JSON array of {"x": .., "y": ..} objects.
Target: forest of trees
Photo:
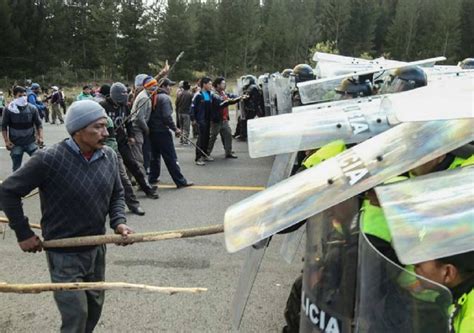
[{"x": 72, "y": 40}]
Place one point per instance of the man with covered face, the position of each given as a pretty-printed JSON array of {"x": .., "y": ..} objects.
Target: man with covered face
[{"x": 117, "y": 109}]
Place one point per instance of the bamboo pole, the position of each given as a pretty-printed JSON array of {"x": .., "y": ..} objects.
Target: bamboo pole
[
  {"x": 32, "y": 225},
  {"x": 36, "y": 288},
  {"x": 133, "y": 238}
]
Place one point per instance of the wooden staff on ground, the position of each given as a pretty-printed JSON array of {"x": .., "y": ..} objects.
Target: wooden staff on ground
[{"x": 37, "y": 288}]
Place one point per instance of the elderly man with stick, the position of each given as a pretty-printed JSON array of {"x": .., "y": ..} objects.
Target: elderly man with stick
[{"x": 79, "y": 186}]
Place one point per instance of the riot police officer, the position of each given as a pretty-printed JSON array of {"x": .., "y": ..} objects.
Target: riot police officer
[
  {"x": 301, "y": 73},
  {"x": 403, "y": 79},
  {"x": 252, "y": 106}
]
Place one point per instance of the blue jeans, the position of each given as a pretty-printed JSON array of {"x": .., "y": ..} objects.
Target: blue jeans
[{"x": 17, "y": 153}]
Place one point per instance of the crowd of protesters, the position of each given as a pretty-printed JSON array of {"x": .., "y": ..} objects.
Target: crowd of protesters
[{"x": 139, "y": 122}]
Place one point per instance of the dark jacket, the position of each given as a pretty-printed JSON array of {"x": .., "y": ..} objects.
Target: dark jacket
[
  {"x": 161, "y": 119},
  {"x": 183, "y": 102},
  {"x": 204, "y": 112},
  {"x": 21, "y": 126},
  {"x": 118, "y": 114}
]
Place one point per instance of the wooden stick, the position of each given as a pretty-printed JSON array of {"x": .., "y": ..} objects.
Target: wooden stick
[
  {"x": 32, "y": 225},
  {"x": 133, "y": 238},
  {"x": 37, "y": 288}
]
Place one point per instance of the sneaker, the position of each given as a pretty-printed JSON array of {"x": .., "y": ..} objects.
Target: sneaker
[
  {"x": 231, "y": 155},
  {"x": 208, "y": 159},
  {"x": 200, "y": 162}
]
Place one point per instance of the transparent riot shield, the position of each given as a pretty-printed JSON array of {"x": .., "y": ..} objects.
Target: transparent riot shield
[
  {"x": 392, "y": 299},
  {"x": 272, "y": 94},
  {"x": 266, "y": 96},
  {"x": 322, "y": 90},
  {"x": 354, "y": 171},
  {"x": 283, "y": 94},
  {"x": 430, "y": 216},
  {"x": 330, "y": 270}
]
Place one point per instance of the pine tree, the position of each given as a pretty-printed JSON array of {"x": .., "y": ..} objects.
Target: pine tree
[{"x": 402, "y": 33}]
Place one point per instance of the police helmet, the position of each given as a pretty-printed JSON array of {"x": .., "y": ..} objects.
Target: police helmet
[
  {"x": 352, "y": 88},
  {"x": 303, "y": 72},
  {"x": 287, "y": 72},
  {"x": 403, "y": 79},
  {"x": 262, "y": 79},
  {"x": 249, "y": 80},
  {"x": 467, "y": 63}
]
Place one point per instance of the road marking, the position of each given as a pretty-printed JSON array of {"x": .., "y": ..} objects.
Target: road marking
[{"x": 218, "y": 188}]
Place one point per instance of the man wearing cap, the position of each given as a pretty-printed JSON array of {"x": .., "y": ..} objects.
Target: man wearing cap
[
  {"x": 85, "y": 94},
  {"x": 162, "y": 145},
  {"x": 32, "y": 96},
  {"x": 79, "y": 186},
  {"x": 21, "y": 127},
  {"x": 55, "y": 104}
]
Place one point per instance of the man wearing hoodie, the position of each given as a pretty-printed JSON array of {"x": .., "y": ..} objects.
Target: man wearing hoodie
[
  {"x": 21, "y": 127},
  {"x": 116, "y": 108},
  {"x": 162, "y": 145}
]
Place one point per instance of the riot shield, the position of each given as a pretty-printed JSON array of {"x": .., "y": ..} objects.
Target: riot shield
[
  {"x": 239, "y": 92},
  {"x": 352, "y": 123},
  {"x": 392, "y": 299},
  {"x": 430, "y": 216},
  {"x": 358, "y": 169},
  {"x": 272, "y": 94},
  {"x": 281, "y": 169},
  {"x": 323, "y": 90},
  {"x": 283, "y": 94},
  {"x": 330, "y": 270},
  {"x": 266, "y": 95}
]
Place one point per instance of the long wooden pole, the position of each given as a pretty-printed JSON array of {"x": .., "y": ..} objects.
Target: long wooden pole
[
  {"x": 36, "y": 288},
  {"x": 133, "y": 238},
  {"x": 32, "y": 225}
]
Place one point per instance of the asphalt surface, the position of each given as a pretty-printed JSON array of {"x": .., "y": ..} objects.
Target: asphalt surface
[{"x": 197, "y": 262}]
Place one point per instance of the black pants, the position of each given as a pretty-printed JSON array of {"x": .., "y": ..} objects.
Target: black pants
[
  {"x": 80, "y": 310},
  {"x": 133, "y": 167},
  {"x": 162, "y": 145},
  {"x": 203, "y": 139},
  {"x": 146, "y": 151}
]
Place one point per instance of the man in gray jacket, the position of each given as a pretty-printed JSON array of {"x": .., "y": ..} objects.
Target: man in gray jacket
[
  {"x": 79, "y": 186},
  {"x": 141, "y": 111}
]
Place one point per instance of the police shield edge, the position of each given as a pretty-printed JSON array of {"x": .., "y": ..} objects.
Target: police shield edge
[
  {"x": 281, "y": 169},
  {"x": 356, "y": 120},
  {"x": 323, "y": 89},
  {"x": 430, "y": 216},
  {"x": 356, "y": 170}
]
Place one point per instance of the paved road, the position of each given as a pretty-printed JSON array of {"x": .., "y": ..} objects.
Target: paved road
[{"x": 199, "y": 262}]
